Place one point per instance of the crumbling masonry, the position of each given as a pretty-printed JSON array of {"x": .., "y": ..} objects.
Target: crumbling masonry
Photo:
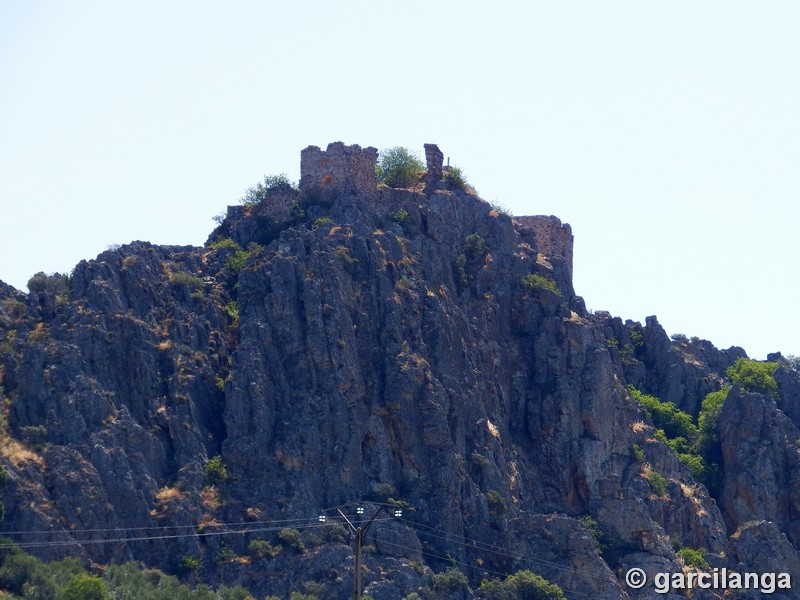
[
  {"x": 351, "y": 170},
  {"x": 339, "y": 168}
]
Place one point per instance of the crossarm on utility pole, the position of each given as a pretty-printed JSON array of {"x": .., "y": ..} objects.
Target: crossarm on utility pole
[{"x": 358, "y": 533}]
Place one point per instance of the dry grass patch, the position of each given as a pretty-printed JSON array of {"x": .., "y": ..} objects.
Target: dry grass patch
[
  {"x": 690, "y": 492},
  {"x": 167, "y": 494},
  {"x": 16, "y": 452},
  {"x": 207, "y": 521}
]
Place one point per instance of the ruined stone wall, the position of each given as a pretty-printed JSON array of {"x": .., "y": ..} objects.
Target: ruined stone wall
[
  {"x": 340, "y": 168},
  {"x": 548, "y": 235},
  {"x": 435, "y": 160}
]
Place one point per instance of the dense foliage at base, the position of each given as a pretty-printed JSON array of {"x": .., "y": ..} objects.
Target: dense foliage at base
[{"x": 26, "y": 577}]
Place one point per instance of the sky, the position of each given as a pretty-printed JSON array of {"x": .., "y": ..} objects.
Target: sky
[{"x": 666, "y": 133}]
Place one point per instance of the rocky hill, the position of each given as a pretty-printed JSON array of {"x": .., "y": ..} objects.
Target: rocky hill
[{"x": 197, "y": 409}]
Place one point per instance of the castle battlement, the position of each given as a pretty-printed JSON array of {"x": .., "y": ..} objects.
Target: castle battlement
[
  {"x": 341, "y": 168},
  {"x": 548, "y": 235},
  {"x": 351, "y": 170}
]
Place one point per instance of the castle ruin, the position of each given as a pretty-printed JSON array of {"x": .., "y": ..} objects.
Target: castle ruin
[
  {"x": 351, "y": 170},
  {"x": 434, "y": 159},
  {"x": 339, "y": 168},
  {"x": 548, "y": 235}
]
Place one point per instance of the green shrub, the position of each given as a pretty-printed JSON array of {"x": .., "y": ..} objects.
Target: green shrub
[
  {"x": 694, "y": 558},
  {"x": 449, "y": 581},
  {"x": 708, "y": 421},
  {"x": 593, "y": 528},
  {"x": 291, "y": 537},
  {"x": 27, "y": 577},
  {"x": 480, "y": 461},
  {"x": 84, "y": 587},
  {"x": 695, "y": 463},
  {"x": 676, "y": 429},
  {"x": 708, "y": 443},
  {"x": 530, "y": 586},
  {"x": 627, "y": 354},
  {"x": 37, "y": 283},
  {"x": 522, "y": 585},
  {"x": 637, "y": 337},
  {"x": 17, "y": 569},
  {"x": 475, "y": 248},
  {"x": 382, "y": 491},
  {"x": 680, "y": 445},
  {"x": 55, "y": 283},
  {"x": 224, "y": 243},
  {"x": 224, "y": 554},
  {"x": 343, "y": 254},
  {"x": 471, "y": 260},
  {"x": 215, "y": 471},
  {"x": 460, "y": 275},
  {"x": 320, "y": 221},
  {"x": 333, "y": 533},
  {"x": 257, "y": 194},
  {"x": 455, "y": 178},
  {"x": 496, "y": 502},
  {"x": 754, "y": 376},
  {"x": 33, "y": 434},
  {"x": 398, "y": 167},
  {"x": 666, "y": 416},
  {"x": 315, "y": 588},
  {"x": 637, "y": 452},
  {"x": 399, "y": 216},
  {"x": 237, "y": 260},
  {"x": 15, "y": 309},
  {"x": 658, "y": 482},
  {"x": 534, "y": 281},
  {"x": 188, "y": 564},
  {"x": 232, "y": 310},
  {"x": 183, "y": 278},
  {"x": 260, "y": 548}
]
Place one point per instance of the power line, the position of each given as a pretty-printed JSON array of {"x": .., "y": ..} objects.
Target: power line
[
  {"x": 146, "y": 538},
  {"x": 495, "y": 549},
  {"x": 153, "y": 527},
  {"x": 451, "y": 560},
  {"x": 274, "y": 525}
]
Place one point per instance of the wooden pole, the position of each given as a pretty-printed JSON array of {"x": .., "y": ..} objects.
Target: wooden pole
[
  {"x": 357, "y": 554},
  {"x": 358, "y": 534}
]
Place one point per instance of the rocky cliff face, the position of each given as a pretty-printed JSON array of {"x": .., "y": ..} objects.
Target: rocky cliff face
[{"x": 391, "y": 346}]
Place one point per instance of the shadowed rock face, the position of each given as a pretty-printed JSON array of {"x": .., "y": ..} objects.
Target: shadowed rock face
[{"x": 369, "y": 347}]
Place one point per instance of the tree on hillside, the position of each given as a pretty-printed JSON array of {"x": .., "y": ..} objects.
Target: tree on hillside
[{"x": 398, "y": 167}]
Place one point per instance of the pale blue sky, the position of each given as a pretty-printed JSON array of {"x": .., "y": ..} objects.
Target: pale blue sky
[{"x": 666, "y": 133}]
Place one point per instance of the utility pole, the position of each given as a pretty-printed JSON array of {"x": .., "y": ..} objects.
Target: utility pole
[{"x": 358, "y": 534}]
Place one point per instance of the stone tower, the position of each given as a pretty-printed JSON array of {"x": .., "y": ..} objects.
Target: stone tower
[
  {"x": 339, "y": 168},
  {"x": 548, "y": 235}
]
